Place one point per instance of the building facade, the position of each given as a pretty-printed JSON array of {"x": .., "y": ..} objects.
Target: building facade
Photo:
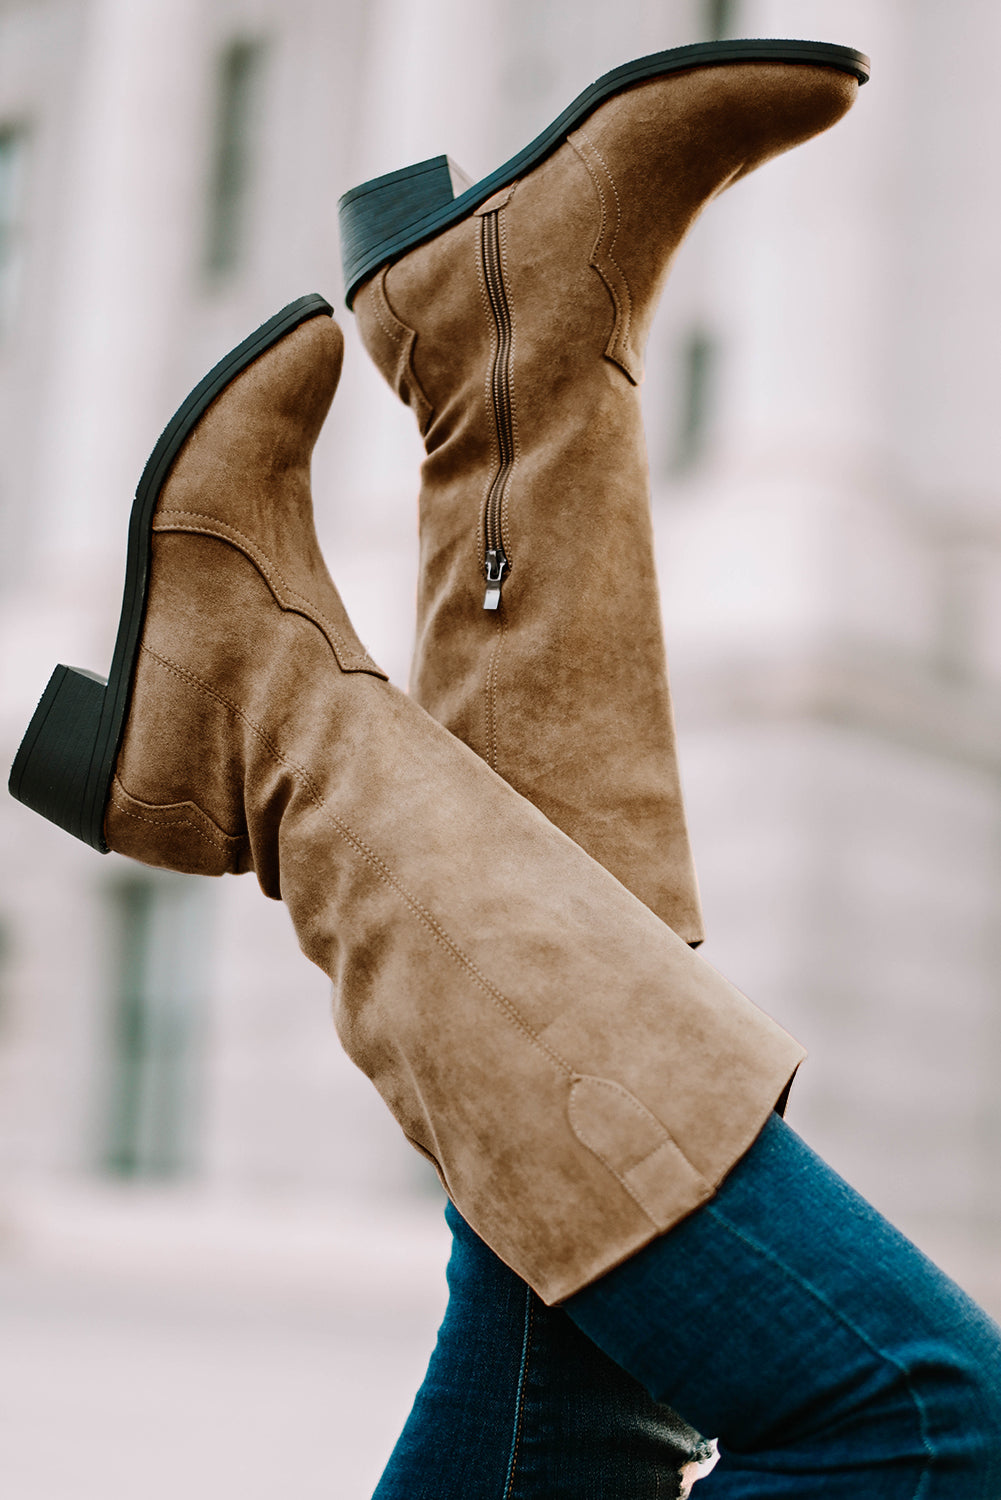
[{"x": 819, "y": 405}]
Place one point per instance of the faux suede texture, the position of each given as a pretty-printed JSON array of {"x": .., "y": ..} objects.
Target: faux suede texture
[
  {"x": 564, "y": 689},
  {"x": 476, "y": 952}
]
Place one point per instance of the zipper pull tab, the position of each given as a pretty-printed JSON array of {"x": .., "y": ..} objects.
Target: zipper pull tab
[{"x": 497, "y": 565}]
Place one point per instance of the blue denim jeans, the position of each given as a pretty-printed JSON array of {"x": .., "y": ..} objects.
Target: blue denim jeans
[
  {"x": 518, "y": 1403},
  {"x": 785, "y": 1317}
]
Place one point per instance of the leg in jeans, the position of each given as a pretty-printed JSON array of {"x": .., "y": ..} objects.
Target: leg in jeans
[
  {"x": 830, "y": 1356},
  {"x": 518, "y": 1404}
]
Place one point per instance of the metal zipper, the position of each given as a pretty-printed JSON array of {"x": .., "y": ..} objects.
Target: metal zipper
[{"x": 496, "y": 562}]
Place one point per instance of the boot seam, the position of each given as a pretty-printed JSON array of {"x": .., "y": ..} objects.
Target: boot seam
[
  {"x": 521, "y": 1392},
  {"x": 491, "y": 692},
  {"x": 405, "y": 337},
  {"x": 630, "y": 1177},
  {"x": 619, "y": 347},
  {"x": 222, "y": 839},
  {"x": 627, "y": 313},
  {"x": 618, "y": 226},
  {"x": 263, "y": 564},
  {"x": 395, "y": 334},
  {"x": 449, "y": 944}
]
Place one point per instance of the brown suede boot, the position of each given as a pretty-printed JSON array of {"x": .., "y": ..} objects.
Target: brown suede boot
[
  {"x": 476, "y": 952},
  {"x": 516, "y": 334}
]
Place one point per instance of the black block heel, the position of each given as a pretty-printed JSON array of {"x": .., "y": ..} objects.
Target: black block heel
[
  {"x": 383, "y": 218},
  {"x": 386, "y": 207},
  {"x": 53, "y": 766},
  {"x": 66, "y": 760}
]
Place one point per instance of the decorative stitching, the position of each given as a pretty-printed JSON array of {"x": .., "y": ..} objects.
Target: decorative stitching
[
  {"x": 369, "y": 855},
  {"x": 396, "y": 330},
  {"x": 615, "y": 233},
  {"x": 250, "y": 548},
  {"x": 619, "y": 348},
  {"x": 393, "y": 333},
  {"x": 491, "y": 690},
  {"x": 224, "y": 840}
]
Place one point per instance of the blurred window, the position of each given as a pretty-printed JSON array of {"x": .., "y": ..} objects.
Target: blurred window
[
  {"x": 699, "y": 357},
  {"x": 721, "y": 18},
  {"x": 13, "y": 150},
  {"x": 155, "y": 1026},
  {"x": 234, "y": 152}
]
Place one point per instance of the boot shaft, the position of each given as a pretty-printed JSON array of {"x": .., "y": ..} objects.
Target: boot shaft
[{"x": 517, "y": 338}]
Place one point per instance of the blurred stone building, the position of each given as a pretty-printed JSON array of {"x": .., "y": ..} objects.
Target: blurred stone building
[{"x": 820, "y": 408}]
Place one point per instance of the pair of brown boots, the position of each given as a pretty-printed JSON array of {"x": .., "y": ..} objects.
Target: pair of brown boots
[{"x": 508, "y": 931}]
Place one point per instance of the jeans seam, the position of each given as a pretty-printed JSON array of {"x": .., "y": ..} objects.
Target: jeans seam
[
  {"x": 840, "y": 1317},
  {"x": 520, "y": 1398}
]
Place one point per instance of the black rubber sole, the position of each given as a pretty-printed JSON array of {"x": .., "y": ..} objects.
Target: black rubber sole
[
  {"x": 383, "y": 218},
  {"x": 66, "y": 760}
]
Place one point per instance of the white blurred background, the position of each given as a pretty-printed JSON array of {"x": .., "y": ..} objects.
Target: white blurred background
[{"x": 221, "y": 1267}]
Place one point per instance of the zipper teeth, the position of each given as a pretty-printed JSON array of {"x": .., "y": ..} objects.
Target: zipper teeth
[{"x": 500, "y": 381}]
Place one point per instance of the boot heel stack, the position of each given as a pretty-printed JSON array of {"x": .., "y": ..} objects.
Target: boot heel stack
[
  {"x": 386, "y": 211},
  {"x": 53, "y": 770},
  {"x": 66, "y": 760}
]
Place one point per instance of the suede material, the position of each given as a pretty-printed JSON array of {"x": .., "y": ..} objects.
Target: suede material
[
  {"x": 564, "y": 690},
  {"x": 476, "y": 952}
]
